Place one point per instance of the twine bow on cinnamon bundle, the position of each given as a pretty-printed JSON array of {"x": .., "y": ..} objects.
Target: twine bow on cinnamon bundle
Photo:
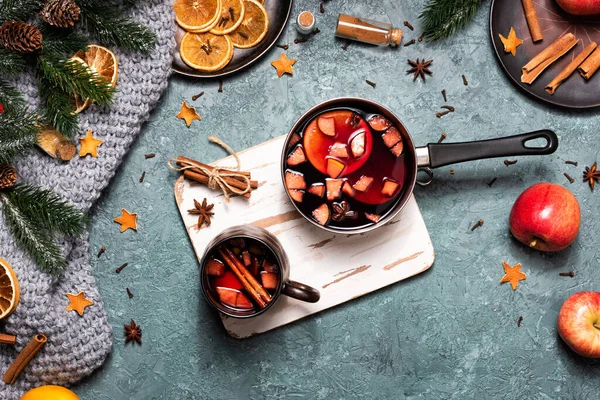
[{"x": 231, "y": 181}]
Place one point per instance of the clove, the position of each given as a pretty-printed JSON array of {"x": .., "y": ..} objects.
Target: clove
[
  {"x": 464, "y": 78},
  {"x": 129, "y": 293},
  {"x": 575, "y": 163},
  {"x": 411, "y": 42},
  {"x": 519, "y": 321},
  {"x": 101, "y": 251},
  {"x": 477, "y": 225},
  {"x": 143, "y": 176},
  {"x": 220, "y": 86},
  {"x": 490, "y": 183},
  {"x": 444, "y": 94},
  {"x": 442, "y": 113},
  {"x": 197, "y": 96},
  {"x": 408, "y": 25},
  {"x": 321, "y": 8},
  {"x": 510, "y": 162},
  {"x": 118, "y": 270},
  {"x": 570, "y": 274},
  {"x": 372, "y": 84},
  {"x": 571, "y": 180},
  {"x": 283, "y": 46},
  {"x": 345, "y": 47},
  {"x": 449, "y": 108},
  {"x": 150, "y": 155},
  {"x": 442, "y": 137}
]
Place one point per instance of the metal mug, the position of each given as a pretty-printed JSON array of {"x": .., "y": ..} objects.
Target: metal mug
[{"x": 286, "y": 286}]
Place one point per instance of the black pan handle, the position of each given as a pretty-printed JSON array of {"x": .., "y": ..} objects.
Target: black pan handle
[{"x": 441, "y": 154}]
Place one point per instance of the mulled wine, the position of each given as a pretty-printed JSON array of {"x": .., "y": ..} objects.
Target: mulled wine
[
  {"x": 346, "y": 168},
  {"x": 243, "y": 274}
]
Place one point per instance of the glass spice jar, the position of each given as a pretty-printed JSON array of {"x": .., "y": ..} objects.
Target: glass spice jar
[
  {"x": 305, "y": 23},
  {"x": 368, "y": 31}
]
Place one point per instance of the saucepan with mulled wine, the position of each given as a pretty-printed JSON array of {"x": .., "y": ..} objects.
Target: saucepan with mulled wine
[{"x": 349, "y": 165}]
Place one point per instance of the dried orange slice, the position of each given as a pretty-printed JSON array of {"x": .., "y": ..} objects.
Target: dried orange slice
[
  {"x": 101, "y": 61},
  {"x": 230, "y": 17},
  {"x": 197, "y": 15},
  {"x": 9, "y": 289},
  {"x": 254, "y": 26},
  {"x": 205, "y": 51}
]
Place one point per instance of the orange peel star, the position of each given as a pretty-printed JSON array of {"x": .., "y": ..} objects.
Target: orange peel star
[
  {"x": 283, "y": 65},
  {"x": 188, "y": 114},
  {"x": 127, "y": 220},
  {"x": 78, "y": 302},
  {"x": 511, "y": 42},
  {"x": 89, "y": 145},
  {"x": 512, "y": 275}
]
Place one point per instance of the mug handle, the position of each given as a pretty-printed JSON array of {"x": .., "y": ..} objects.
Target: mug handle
[{"x": 301, "y": 291}]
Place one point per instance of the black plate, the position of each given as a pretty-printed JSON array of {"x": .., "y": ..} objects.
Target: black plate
[
  {"x": 575, "y": 92},
  {"x": 278, "y": 11}
]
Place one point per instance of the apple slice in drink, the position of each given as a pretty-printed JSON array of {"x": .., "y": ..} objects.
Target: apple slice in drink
[
  {"x": 234, "y": 298},
  {"x": 326, "y": 124},
  {"x": 297, "y": 195},
  {"x": 339, "y": 150},
  {"x": 294, "y": 180},
  {"x": 379, "y": 122},
  {"x": 317, "y": 189},
  {"x": 270, "y": 281},
  {"x": 363, "y": 184},
  {"x": 334, "y": 188},
  {"x": 389, "y": 187},
  {"x": 296, "y": 157},
  {"x": 321, "y": 214},
  {"x": 357, "y": 144},
  {"x": 214, "y": 267}
]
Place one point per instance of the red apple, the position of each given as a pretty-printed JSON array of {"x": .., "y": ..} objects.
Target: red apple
[
  {"x": 579, "y": 323},
  {"x": 580, "y": 7},
  {"x": 546, "y": 217}
]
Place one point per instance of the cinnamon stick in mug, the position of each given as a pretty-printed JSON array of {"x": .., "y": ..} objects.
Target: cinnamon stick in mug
[
  {"x": 569, "y": 69},
  {"x": 532, "y": 21},
  {"x": 590, "y": 65},
  {"x": 546, "y": 57}
]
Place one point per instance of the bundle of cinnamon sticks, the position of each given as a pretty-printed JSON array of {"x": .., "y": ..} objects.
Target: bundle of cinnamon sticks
[{"x": 233, "y": 182}]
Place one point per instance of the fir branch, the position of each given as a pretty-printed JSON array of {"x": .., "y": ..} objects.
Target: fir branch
[
  {"x": 18, "y": 128},
  {"x": 74, "y": 78},
  {"x": 59, "y": 109},
  {"x": 442, "y": 18},
  {"x": 108, "y": 26},
  {"x": 38, "y": 243},
  {"x": 11, "y": 63},
  {"x": 48, "y": 210},
  {"x": 14, "y": 141},
  {"x": 18, "y": 10},
  {"x": 61, "y": 43}
]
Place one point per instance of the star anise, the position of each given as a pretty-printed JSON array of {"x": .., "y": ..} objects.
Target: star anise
[
  {"x": 419, "y": 68},
  {"x": 342, "y": 211},
  {"x": 591, "y": 175},
  {"x": 133, "y": 333},
  {"x": 203, "y": 210}
]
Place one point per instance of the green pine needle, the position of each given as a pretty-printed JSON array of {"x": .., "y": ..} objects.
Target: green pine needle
[
  {"x": 11, "y": 63},
  {"x": 18, "y": 128},
  {"x": 18, "y": 10},
  {"x": 38, "y": 243},
  {"x": 48, "y": 210},
  {"x": 107, "y": 24},
  {"x": 442, "y": 18},
  {"x": 75, "y": 78},
  {"x": 59, "y": 109},
  {"x": 61, "y": 43}
]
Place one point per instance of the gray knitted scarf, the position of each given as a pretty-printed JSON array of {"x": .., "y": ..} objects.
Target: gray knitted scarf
[{"x": 78, "y": 345}]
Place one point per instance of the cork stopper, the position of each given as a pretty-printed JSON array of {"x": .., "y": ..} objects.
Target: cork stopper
[
  {"x": 305, "y": 23},
  {"x": 396, "y": 37}
]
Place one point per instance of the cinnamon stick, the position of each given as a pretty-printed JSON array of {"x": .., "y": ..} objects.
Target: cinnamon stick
[
  {"x": 569, "y": 69},
  {"x": 590, "y": 65},
  {"x": 251, "y": 279},
  {"x": 550, "y": 54},
  {"x": 249, "y": 288},
  {"x": 200, "y": 178},
  {"x": 24, "y": 357},
  {"x": 532, "y": 21},
  {"x": 7, "y": 339}
]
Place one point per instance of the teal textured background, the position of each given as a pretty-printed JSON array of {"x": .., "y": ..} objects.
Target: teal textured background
[{"x": 450, "y": 332}]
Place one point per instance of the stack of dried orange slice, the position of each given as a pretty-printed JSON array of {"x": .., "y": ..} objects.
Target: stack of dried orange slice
[{"x": 215, "y": 27}]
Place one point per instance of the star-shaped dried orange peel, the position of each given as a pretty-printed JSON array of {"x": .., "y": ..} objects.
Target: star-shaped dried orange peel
[
  {"x": 78, "y": 302},
  {"x": 89, "y": 145},
  {"x": 283, "y": 65},
  {"x": 127, "y": 220},
  {"x": 512, "y": 275},
  {"x": 511, "y": 42},
  {"x": 188, "y": 113}
]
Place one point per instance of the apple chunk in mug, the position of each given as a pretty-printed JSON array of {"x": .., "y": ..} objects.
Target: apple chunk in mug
[
  {"x": 243, "y": 274},
  {"x": 346, "y": 168}
]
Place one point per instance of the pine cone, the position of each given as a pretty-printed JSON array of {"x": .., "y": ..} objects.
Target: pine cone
[
  {"x": 20, "y": 37},
  {"x": 8, "y": 176},
  {"x": 60, "y": 13}
]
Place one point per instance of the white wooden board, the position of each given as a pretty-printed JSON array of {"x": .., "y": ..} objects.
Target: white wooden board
[{"x": 341, "y": 267}]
